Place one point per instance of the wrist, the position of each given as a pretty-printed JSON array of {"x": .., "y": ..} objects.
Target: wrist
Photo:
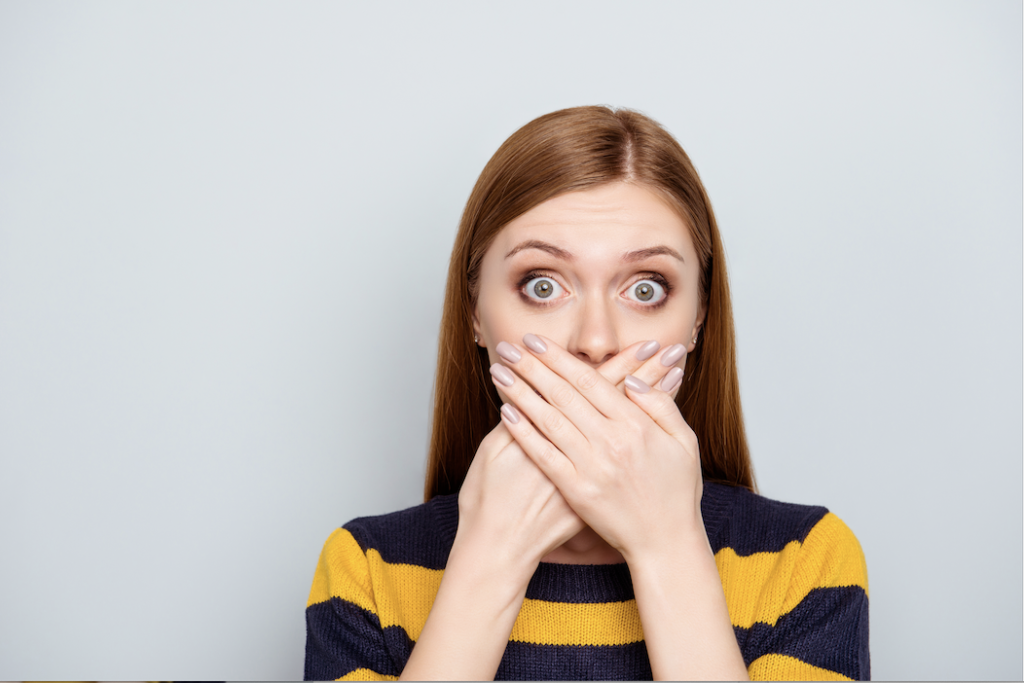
[
  {"x": 478, "y": 559},
  {"x": 683, "y": 544}
]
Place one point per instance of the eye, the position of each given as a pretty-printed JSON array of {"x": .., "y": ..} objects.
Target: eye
[
  {"x": 646, "y": 292},
  {"x": 542, "y": 289}
]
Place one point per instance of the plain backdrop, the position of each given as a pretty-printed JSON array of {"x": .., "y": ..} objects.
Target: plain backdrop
[{"x": 224, "y": 233}]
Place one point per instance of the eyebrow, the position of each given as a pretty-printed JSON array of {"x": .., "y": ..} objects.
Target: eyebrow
[
  {"x": 641, "y": 254},
  {"x": 629, "y": 256},
  {"x": 557, "y": 252}
]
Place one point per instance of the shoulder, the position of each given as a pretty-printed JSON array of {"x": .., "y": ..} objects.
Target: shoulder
[
  {"x": 795, "y": 581},
  {"x": 749, "y": 523},
  {"x": 421, "y": 535}
]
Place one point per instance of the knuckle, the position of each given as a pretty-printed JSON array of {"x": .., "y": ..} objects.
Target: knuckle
[
  {"x": 553, "y": 422},
  {"x": 587, "y": 379},
  {"x": 548, "y": 454},
  {"x": 563, "y": 395},
  {"x": 619, "y": 446},
  {"x": 665, "y": 405}
]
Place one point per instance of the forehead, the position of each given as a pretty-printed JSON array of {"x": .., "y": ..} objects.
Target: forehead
[{"x": 607, "y": 220}]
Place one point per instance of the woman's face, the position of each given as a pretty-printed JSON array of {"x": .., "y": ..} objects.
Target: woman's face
[{"x": 595, "y": 271}]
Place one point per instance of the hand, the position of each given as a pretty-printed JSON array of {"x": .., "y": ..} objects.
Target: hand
[
  {"x": 629, "y": 465},
  {"x": 509, "y": 511},
  {"x": 510, "y": 516}
]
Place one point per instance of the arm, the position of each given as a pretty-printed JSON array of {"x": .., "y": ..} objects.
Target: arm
[
  {"x": 684, "y": 614},
  {"x": 510, "y": 516}
]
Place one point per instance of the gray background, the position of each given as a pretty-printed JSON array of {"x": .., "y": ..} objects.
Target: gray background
[{"x": 224, "y": 231}]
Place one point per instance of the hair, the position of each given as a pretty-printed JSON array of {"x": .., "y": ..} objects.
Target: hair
[{"x": 565, "y": 151}]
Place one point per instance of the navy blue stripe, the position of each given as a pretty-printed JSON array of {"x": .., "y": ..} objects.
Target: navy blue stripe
[
  {"x": 399, "y": 645},
  {"x": 341, "y": 637},
  {"x": 528, "y": 662},
  {"x": 828, "y": 629},
  {"x": 420, "y": 535},
  {"x": 581, "y": 583},
  {"x": 748, "y": 523}
]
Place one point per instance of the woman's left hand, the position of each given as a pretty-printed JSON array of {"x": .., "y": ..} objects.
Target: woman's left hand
[{"x": 628, "y": 464}]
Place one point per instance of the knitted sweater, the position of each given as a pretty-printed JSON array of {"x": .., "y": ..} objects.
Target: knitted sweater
[{"x": 794, "y": 577}]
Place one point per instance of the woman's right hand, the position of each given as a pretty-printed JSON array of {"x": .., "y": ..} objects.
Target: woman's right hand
[
  {"x": 509, "y": 511},
  {"x": 510, "y": 516}
]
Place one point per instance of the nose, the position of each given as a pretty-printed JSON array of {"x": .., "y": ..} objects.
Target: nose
[{"x": 595, "y": 338}]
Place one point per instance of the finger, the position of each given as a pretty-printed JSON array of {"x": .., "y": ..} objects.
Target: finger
[
  {"x": 558, "y": 392},
  {"x": 661, "y": 408},
  {"x": 664, "y": 370},
  {"x": 551, "y": 461},
  {"x": 551, "y": 421},
  {"x": 628, "y": 361},
  {"x": 565, "y": 368}
]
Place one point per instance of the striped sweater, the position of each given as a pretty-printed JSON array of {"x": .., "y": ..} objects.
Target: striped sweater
[{"x": 794, "y": 578}]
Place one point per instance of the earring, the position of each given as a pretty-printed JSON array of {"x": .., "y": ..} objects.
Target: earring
[
  {"x": 694, "y": 339},
  {"x": 476, "y": 339}
]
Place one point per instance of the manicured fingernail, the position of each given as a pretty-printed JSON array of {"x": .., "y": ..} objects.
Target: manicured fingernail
[
  {"x": 508, "y": 352},
  {"x": 672, "y": 380},
  {"x": 647, "y": 350},
  {"x": 502, "y": 374},
  {"x": 510, "y": 413},
  {"x": 637, "y": 384},
  {"x": 534, "y": 343},
  {"x": 672, "y": 354}
]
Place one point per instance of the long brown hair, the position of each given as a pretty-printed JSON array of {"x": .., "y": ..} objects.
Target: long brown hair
[{"x": 567, "y": 150}]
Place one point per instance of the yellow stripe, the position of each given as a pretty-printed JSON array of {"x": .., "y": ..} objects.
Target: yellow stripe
[
  {"x": 409, "y": 592},
  {"x": 560, "y": 623},
  {"x": 758, "y": 588},
  {"x": 341, "y": 573},
  {"x": 785, "y": 668},
  {"x": 365, "y": 675},
  {"x": 764, "y": 586},
  {"x": 756, "y": 585}
]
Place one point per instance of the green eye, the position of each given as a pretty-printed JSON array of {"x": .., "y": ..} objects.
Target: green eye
[
  {"x": 543, "y": 289},
  {"x": 644, "y": 291}
]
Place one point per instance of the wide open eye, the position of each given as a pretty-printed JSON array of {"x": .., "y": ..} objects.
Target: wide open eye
[
  {"x": 542, "y": 289},
  {"x": 646, "y": 292}
]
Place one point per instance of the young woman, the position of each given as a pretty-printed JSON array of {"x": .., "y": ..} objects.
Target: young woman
[{"x": 590, "y": 504}]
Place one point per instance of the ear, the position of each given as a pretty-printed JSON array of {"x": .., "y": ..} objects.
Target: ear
[
  {"x": 697, "y": 325},
  {"x": 476, "y": 330}
]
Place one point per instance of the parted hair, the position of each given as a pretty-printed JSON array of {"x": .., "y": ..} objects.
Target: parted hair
[{"x": 564, "y": 151}]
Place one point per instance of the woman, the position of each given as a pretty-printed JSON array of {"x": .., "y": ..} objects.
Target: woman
[{"x": 590, "y": 503}]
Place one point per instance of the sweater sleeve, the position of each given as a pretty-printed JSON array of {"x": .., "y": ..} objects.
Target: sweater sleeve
[
  {"x": 821, "y": 632},
  {"x": 344, "y": 639}
]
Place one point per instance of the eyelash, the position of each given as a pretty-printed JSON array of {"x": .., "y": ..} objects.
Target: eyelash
[{"x": 653, "y": 277}]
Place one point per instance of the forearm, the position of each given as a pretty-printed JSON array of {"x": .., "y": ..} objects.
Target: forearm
[
  {"x": 472, "y": 616},
  {"x": 684, "y": 614}
]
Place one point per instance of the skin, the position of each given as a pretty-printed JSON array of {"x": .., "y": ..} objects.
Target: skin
[{"x": 596, "y": 464}]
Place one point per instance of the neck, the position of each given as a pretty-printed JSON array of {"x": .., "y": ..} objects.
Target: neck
[{"x": 586, "y": 547}]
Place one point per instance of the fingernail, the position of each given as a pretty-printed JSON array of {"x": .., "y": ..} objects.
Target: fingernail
[
  {"x": 637, "y": 384},
  {"x": 534, "y": 343},
  {"x": 672, "y": 380},
  {"x": 508, "y": 352},
  {"x": 510, "y": 413},
  {"x": 672, "y": 354},
  {"x": 502, "y": 374},
  {"x": 647, "y": 350}
]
